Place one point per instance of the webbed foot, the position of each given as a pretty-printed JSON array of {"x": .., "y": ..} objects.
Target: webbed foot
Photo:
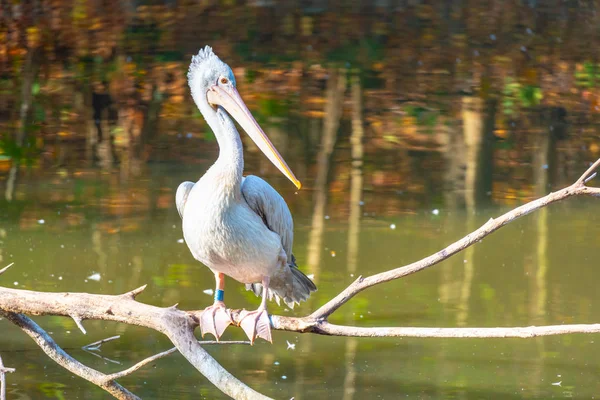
[
  {"x": 256, "y": 324},
  {"x": 215, "y": 319}
]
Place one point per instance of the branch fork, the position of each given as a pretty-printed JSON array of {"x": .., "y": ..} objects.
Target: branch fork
[
  {"x": 179, "y": 325},
  {"x": 3, "y": 371}
]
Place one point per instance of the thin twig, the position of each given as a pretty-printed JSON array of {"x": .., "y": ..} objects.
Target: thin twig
[
  {"x": 96, "y": 345},
  {"x": 2, "y": 381},
  {"x": 3, "y": 372},
  {"x": 130, "y": 370},
  {"x": 78, "y": 323},
  {"x": 587, "y": 173},
  {"x": 578, "y": 188},
  {"x": 221, "y": 342},
  {"x": 133, "y": 294},
  {"x": 177, "y": 325},
  {"x": 53, "y": 350},
  {"x": 325, "y": 328},
  {"x": 589, "y": 178},
  {"x": 3, "y": 270},
  {"x": 100, "y": 356},
  {"x": 139, "y": 365}
]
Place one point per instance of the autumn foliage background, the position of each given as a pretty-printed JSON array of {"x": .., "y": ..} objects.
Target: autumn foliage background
[{"x": 104, "y": 82}]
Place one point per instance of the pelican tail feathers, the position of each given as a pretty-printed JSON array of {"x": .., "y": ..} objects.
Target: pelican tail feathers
[{"x": 296, "y": 287}]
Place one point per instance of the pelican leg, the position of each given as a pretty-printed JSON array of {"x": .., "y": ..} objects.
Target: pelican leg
[
  {"x": 256, "y": 323},
  {"x": 216, "y": 318}
]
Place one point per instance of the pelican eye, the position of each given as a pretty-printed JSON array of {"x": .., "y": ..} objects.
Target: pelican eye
[{"x": 224, "y": 81}]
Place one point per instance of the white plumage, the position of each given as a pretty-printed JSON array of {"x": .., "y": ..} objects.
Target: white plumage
[{"x": 237, "y": 226}]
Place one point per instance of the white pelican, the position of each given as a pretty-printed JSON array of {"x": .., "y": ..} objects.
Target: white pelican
[{"x": 238, "y": 226}]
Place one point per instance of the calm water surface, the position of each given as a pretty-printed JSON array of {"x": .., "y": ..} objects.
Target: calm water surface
[
  {"x": 539, "y": 270},
  {"x": 409, "y": 123}
]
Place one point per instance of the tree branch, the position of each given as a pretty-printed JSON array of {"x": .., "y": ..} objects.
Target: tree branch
[
  {"x": 118, "y": 375},
  {"x": 3, "y": 372},
  {"x": 360, "y": 284},
  {"x": 128, "y": 371},
  {"x": 588, "y": 174},
  {"x": 3, "y": 270},
  {"x": 96, "y": 345},
  {"x": 179, "y": 326},
  {"x": 325, "y": 328},
  {"x": 53, "y": 350}
]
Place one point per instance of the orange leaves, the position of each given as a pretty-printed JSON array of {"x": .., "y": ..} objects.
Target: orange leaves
[{"x": 33, "y": 37}]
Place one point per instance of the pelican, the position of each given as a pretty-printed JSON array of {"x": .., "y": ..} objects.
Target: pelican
[{"x": 238, "y": 226}]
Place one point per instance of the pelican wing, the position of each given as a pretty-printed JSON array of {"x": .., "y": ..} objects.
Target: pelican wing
[
  {"x": 181, "y": 196},
  {"x": 271, "y": 207}
]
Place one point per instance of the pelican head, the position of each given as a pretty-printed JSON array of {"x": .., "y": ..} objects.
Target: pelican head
[{"x": 213, "y": 85}]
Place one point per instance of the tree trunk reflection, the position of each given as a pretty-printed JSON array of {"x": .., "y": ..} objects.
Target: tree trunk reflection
[
  {"x": 356, "y": 187},
  {"x": 336, "y": 86},
  {"x": 478, "y": 128}
]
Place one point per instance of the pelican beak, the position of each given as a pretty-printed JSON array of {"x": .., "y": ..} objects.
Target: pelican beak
[{"x": 230, "y": 100}]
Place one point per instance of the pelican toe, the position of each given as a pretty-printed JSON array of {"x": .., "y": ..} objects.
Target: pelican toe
[
  {"x": 256, "y": 324},
  {"x": 214, "y": 320}
]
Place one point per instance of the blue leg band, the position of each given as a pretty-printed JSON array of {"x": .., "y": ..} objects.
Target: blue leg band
[{"x": 219, "y": 295}]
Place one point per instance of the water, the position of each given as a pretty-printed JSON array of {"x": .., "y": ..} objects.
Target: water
[
  {"x": 533, "y": 272},
  {"x": 409, "y": 125}
]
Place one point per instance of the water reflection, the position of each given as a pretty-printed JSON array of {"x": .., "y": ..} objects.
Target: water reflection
[
  {"x": 478, "y": 124},
  {"x": 429, "y": 118},
  {"x": 336, "y": 86},
  {"x": 516, "y": 277},
  {"x": 356, "y": 188},
  {"x": 118, "y": 98}
]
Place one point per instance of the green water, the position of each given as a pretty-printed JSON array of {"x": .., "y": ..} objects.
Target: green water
[
  {"x": 539, "y": 270},
  {"x": 409, "y": 124}
]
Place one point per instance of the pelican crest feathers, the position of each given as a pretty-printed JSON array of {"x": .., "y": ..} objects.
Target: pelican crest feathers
[
  {"x": 203, "y": 55},
  {"x": 206, "y": 67},
  {"x": 240, "y": 227}
]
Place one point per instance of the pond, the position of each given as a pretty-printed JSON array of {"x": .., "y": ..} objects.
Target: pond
[{"x": 409, "y": 125}]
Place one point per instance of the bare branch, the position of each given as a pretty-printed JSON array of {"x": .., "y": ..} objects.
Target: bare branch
[
  {"x": 133, "y": 294},
  {"x": 222, "y": 342},
  {"x": 325, "y": 328},
  {"x": 589, "y": 178},
  {"x": 78, "y": 323},
  {"x": 139, "y": 365},
  {"x": 4, "y": 369},
  {"x": 155, "y": 357},
  {"x": 582, "y": 179},
  {"x": 52, "y": 350},
  {"x": 100, "y": 356},
  {"x": 3, "y": 270},
  {"x": 3, "y": 372},
  {"x": 578, "y": 188},
  {"x": 130, "y": 370},
  {"x": 96, "y": 345},
  {"x": 177, "y": 325}
]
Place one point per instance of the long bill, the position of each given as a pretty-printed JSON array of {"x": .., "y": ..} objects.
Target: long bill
[{"x": 230, "y": 100}]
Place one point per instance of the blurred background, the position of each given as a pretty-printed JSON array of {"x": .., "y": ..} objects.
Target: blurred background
[{"x": 409, "y": 122}]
